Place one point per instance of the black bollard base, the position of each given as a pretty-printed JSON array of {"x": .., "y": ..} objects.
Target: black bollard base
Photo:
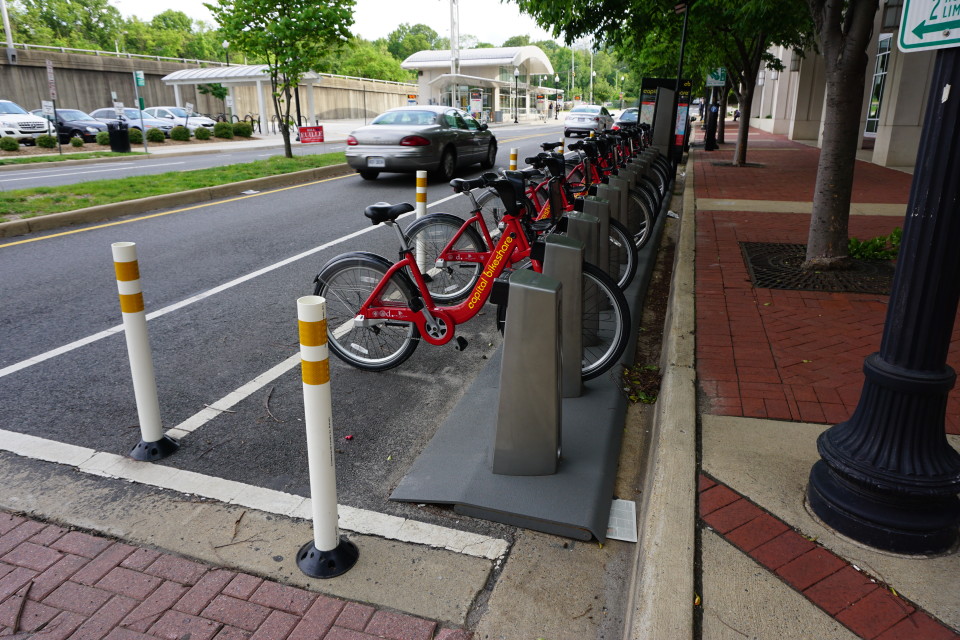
[
  {"x": 906, "y": 524},
  {"x": 327, "y": 564},
  {"x": 150, "y": 451}
]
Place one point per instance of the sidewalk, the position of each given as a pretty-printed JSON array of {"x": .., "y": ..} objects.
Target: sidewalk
[{"x": 774, "y": 368}]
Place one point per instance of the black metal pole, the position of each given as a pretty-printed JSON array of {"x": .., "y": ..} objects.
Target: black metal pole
[
  {"x": 516, "y": 97},
  {"x": 675, "y": 158},
  {"x": 888, "y": 477}
]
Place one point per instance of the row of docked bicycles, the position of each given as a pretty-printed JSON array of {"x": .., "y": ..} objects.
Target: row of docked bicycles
[{"x": 378, "y": 310}]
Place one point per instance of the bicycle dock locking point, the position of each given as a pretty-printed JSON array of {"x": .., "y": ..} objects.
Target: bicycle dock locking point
[
  {"x": 154, "y": 445},
  {"x": 527, "y": 436},
  {"x": 563, "y": 260},
  {"x": 600, "y": 209}
]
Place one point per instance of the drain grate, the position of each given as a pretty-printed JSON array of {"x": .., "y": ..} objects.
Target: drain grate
[{"x": 777, "y": 266}]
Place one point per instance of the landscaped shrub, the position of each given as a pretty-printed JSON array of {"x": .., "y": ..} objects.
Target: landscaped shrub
[
  {"x": 156, "y": 135},
  {"x": 76, "y": 141},
  {"x": 103, "y": 138},
  {"x": 9, "y": 144},
  {"x": 180, "y": 133},
  {"x": 46, "y": 141},
  {"x": 135, "y": 135},
  {"x": 242, "y": 129},
  {"x": 223, "y": 130},
  {"x": 202, "y": 133}
]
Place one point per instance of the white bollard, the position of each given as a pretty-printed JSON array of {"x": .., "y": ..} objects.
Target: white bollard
[
  {"x": 153, "y": 444},
  {"x": 328, "y": 555},
  {"x": 422, "y": 211},
  {"x": 514, "y": 152}
]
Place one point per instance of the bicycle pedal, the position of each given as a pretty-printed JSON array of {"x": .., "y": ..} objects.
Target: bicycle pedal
[{"x": 461, "y": 343}]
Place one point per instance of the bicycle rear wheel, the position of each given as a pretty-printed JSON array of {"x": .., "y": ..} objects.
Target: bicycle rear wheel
[
  {"x": 622, "y": 255},
  {"x": 432, "y": 235},
  {"x": 346, "y": 284},
  {"x": 606, "y": 322}
]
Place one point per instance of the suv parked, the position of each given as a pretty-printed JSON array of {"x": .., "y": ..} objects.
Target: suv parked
[
  {"x": 15, "y": 122},
  {"x": 178, "y": 115}
]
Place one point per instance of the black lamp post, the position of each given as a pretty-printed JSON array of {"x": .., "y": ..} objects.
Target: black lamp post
[
  {"x": 556, "y": 96},
  {"x": 887, "y": 476},
  {"x": 516, "y": 94}
]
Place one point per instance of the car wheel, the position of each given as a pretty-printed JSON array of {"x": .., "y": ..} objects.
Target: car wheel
[
  {"x": 566, "y": 134},
  {"x": 366, "y": 174},
  {"x": 491, "y": 158},
  {"x": 76, "y": 134},
  {"x": 448, "y": 163}
]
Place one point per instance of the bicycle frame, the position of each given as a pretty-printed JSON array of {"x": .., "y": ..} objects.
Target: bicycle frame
[{"x": 437, "y": 325}]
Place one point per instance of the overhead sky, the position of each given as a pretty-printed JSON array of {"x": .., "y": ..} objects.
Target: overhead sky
[{"x": 489, "y": 20}]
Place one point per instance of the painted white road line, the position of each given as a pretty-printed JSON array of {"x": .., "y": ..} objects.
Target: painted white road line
[
  {"x": 23, "y": 364},
  {"x": 80, "y": 173},
  {"x": 363, "y": 521}
]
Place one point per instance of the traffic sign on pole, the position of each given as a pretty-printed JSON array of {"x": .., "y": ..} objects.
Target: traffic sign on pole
[
  {"x": 51, "y": 82},
  {"x": 929, "y": 24},
  {"x": 717, "y": 77},
  {"x": 138, "y": 78}
]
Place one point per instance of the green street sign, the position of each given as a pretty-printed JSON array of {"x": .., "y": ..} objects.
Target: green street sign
[
  {"x": 929, "y": 24},
  {"x": 138, "y": 78},
  {"x": 717, "y": 77}
]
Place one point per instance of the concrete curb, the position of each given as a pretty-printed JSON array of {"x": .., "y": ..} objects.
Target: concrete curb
[
  {"x": 662, "y": 588},
  {"x": 142, "y": 205}
]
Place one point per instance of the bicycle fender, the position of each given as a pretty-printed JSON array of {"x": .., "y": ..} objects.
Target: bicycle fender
[
  {"x": 403, "y": 280},
  {"x": 419, "y": 222}
]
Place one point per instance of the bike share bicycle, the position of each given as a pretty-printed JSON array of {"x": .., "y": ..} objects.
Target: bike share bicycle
[{"x": 379, "y": 311}]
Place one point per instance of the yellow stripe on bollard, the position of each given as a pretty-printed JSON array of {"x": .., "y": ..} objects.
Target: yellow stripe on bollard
[
  {"x": 131, "y": 302},
  {"x": 315, "y": 372},
  {"x": 127, "y": 271},
  {"x": 421, "y": 196},
  {"x": 313, "y": 334}
]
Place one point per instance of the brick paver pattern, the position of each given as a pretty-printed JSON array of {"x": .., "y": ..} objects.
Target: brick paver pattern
[
  {"x": 57, "y": 584},
  {"x": 781, "y": 354},
  {"x": 861, "y": 603}
]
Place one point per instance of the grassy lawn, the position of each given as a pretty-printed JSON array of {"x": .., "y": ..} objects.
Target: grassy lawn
[
  {"x": 28, "y": 203},
  {"x": 65, "y": 157}
]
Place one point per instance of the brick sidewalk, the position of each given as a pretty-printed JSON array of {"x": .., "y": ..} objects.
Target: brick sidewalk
[
  {"x": 781, "y": 354},
  {"x": 82, "y": 586}
]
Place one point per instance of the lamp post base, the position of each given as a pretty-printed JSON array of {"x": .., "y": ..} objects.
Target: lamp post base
[
  {"x": 151, "y": 451},
  {"x": 327, "y": 564}
]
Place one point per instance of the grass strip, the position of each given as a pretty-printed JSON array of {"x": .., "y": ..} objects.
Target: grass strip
[
  {"x": 38, "y": 201},
  {"x": 65, "y": 157}
]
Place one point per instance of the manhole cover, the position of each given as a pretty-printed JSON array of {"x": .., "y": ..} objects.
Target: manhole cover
[{"x": 777, "y": 266}]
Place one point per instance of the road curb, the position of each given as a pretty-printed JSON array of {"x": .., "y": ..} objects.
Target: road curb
[
  {"x": 662, "y": 589},
  {"x": 182, "y": 198}
]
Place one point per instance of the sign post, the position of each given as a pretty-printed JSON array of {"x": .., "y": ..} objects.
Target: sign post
[
  {"x": 139, "y": 81},
  {"x": 52, "y": 84}
]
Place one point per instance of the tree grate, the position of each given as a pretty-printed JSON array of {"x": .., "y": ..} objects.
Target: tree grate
[{"x": 777, "y": 266}]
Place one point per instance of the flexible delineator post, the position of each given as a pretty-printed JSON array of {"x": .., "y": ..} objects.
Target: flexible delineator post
[
  {"x": 328, "y": 555},
  {"x": 421, "y": 211},
  {"x": 514, "y": 152},
  {"x": 153, "y": 444}
]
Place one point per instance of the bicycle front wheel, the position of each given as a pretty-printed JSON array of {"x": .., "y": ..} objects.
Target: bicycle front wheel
[
  {"x": 622, "y": 255},
  {"x": 432, "y": 235},
  {"x": 606, "y": 322},
  {"x": 346, "y": 285}
]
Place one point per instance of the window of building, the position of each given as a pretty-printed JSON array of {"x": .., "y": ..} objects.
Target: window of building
[{"x": 879, "y": 80}]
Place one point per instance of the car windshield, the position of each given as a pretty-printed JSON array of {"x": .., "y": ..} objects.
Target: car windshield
[
  {"x": 180, "y": 112},
  {"x": 74, "y": 114},
  {"x": 585, "y": 109},
  {"x": 628, "y": 116},
  {"x": 134, "y": 114},
  {"x": 9, "y": 107},
  {"x": 406, "y": 117}
]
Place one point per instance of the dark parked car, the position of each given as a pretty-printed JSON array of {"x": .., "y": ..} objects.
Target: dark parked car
[
  {"x": 73, "y": 123},
  {"x": 431, "y": 138},
  {"x": 133, "y": 118},
  {"x": 627, "y": 119}
]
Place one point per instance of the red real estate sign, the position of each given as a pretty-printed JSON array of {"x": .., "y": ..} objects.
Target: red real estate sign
[{"x": 311, "y": 134}]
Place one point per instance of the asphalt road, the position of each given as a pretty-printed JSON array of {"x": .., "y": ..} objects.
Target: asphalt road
[
  {"x": 220, "y": 283},
  {"x": 45, "y": 175}
]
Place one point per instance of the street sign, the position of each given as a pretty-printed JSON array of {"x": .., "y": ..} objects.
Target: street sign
[
  {"x": 717, "y": 77},
  {"x": 929, "y": 24},
  {"x": 47, "y": 107},
  {"x": 50, "y": 81},
  {"x": 138, "y": 78},
  {"x": 189, "y": 107},
  {"x": 118, "y": 107}
]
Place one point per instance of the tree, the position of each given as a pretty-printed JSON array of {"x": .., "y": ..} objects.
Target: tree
[
  {"x": 406, "y": 40},
  {"x": 93, "y": 24},
  {"x": 365, "y": 59},
  {"x": 844, "y": 28},
  {"x": 292, "y": 36},
  {"x": 516, "y": 41}
]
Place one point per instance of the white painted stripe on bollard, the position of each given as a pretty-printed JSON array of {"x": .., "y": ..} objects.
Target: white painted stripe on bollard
[
  {"x": 328, "y": 555},
  {"x": 513, "y": 158},
  {"x": 138, "y": 348}
]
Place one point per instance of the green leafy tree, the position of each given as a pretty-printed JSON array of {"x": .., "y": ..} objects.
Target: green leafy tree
[
  {"x": 516, "y": 41},
  {"x": 93, "y": 24},
  {"x": 291, "y": 36},
  {"x": 406, "y": 40},
  {"x": 366, "y": 59}
]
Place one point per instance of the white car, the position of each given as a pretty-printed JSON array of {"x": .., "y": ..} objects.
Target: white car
[
  {"x": 16, "y": 122},
  {"x": 180, "y": 116},
  {"x": 586, "y": 118}
]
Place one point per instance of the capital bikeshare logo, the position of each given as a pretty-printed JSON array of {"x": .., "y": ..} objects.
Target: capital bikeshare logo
[{"x": 488, "y": 273}]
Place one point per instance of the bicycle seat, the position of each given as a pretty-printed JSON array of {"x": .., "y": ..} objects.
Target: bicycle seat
[
  {"x": 460, "y": 184},
  {"x": 509, "y": 188},
  {"x": 383, "y": 211},
  {"x": 550, "y": 146},
  {"x": 554, "y": 165}
]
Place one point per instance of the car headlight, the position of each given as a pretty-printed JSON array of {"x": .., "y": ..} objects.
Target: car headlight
[{"x": 92, "y": 129}]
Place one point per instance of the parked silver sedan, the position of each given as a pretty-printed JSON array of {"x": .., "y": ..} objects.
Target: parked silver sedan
[{"x": 405, "y": 139}]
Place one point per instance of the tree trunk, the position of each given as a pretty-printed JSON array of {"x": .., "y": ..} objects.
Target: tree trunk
[
  {"x": 725, "y": 94},
  {"x": 745, "y": 106}
]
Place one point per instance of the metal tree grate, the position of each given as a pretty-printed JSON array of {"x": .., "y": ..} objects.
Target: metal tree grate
[{"x": 777, "y": 266}]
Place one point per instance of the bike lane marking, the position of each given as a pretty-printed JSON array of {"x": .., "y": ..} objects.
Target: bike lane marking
[
  {"x": 362, "y": 521},
  {"x": 23, "y": 364}
]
